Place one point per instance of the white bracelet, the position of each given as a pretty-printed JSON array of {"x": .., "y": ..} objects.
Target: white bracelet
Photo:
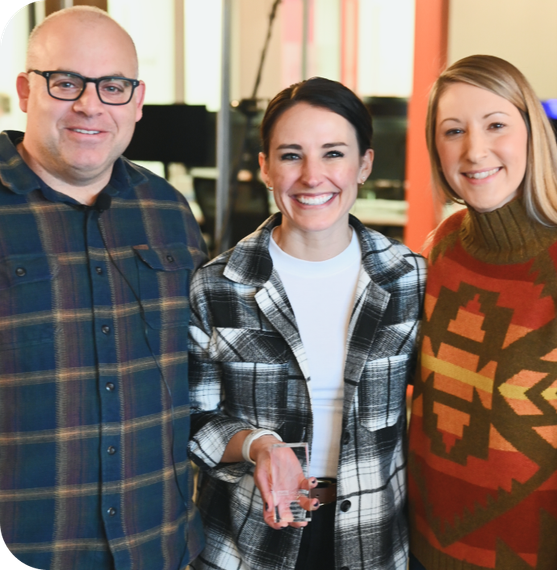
[{"x": 255, "y": 434}]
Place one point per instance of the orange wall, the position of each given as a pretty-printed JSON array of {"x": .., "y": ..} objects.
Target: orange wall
[{"x": 430, "y": 56}]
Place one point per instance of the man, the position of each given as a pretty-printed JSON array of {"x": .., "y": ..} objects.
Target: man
[{"x": 96, "y": 256}]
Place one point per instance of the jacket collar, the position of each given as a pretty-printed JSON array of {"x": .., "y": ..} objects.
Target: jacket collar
[{"x": 250, "y": 262}]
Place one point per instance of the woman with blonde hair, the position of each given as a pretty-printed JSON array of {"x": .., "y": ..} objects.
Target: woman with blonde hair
[{"x": 483, "y": 434}]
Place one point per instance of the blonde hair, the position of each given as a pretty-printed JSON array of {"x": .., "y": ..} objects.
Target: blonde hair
[
  {"x": 504, "y": 79},
  {"x": 83, "y": 13}
]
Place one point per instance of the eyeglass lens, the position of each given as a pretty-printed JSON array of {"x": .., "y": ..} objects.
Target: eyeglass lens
[{"x": 68, "y": 86}]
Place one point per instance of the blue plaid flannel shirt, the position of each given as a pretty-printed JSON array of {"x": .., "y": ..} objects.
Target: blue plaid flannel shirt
[{"x": 94, "y": 404}]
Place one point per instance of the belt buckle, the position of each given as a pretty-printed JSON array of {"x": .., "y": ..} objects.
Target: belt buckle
[{"x": 324, "y": 483}]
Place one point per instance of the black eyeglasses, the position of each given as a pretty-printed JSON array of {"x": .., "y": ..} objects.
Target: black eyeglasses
[{"x": 68, "y": 86}]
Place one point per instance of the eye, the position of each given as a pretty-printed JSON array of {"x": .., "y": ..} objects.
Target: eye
[
  {"x": 113, "y": 87},
  {"x": 334, "y": 154},
  {"x": 453, "y": 132},
  {"x": 289, "y": 156},
  {"x": 64, "y": 84},
  {"x": 496, "y": 126}
]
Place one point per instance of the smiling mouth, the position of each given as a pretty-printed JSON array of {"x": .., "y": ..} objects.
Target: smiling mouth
[
  {"x": 85, "y": 132},
  {"x": 314, "y": 200},
  {"x": 482, "y": 175}
]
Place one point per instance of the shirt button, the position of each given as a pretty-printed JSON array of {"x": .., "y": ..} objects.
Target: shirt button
[
  {"x": 105, "y": 329},
  {"x": 111, "y": 450},
  {"x": 346, "y": 438},
  {"x": 110, "y": 387},
  {"x": 99, "y": 270},
  {"x": 20, "y": 272},
  {"x": 345, "y": 506},
  {"x": 170, "y": 258},
  {"x": 111, "y": 512}
]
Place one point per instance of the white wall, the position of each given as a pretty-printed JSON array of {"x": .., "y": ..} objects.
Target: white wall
[
  {"x": 153, "y": 34},
  {"x": 386, "y": 47},
  {"x": 12, "y": 62},
  {"x": 521, "y": 31},
  {"x": 203, "y": 52}
]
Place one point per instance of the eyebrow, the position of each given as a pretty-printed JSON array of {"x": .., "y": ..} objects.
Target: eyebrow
[
  {"x": 484, "y": 117},
  {"x": 299, "y": 147},
  {"x": 62, "y": 70}
]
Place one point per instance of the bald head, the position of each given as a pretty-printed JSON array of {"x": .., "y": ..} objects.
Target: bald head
[
  {"x": 72, "y": 144},
  {"x": 82, "y": 16}
]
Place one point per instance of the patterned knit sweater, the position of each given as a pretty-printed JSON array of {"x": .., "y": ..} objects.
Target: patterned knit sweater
[{"x": 483, "y": 435}]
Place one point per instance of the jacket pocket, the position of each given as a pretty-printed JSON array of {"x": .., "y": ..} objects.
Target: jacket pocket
[
  {"x": 164, "y": 274},
  {"x": 255, "y": 375},
  {"x": 26, "y": 316},
  {"x": 382, "y": 391}
]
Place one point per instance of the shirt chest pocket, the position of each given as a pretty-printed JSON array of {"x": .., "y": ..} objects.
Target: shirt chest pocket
[
  {"x": 164, "y": 274},
  {"x": 26, "y": 316},
  {"x": 382, "y": 391}
]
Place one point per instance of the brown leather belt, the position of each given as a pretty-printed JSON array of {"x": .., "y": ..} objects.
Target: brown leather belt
[{"x": 326, "y": 491}]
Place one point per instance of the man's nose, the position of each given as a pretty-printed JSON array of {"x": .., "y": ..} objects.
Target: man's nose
[{"x": 89, "y": 102}]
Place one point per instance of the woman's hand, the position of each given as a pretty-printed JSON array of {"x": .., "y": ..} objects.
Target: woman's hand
[{"x": 283, "y": 472}]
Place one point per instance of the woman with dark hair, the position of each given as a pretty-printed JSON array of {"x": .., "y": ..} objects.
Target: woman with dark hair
[
  {"x": 483, "y": 435},
  {"x": 305, "y": 332}
]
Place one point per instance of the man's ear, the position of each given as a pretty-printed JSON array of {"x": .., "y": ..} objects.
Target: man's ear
[
  {"x": 23, "y": 90},
  {"x": 139, "y": 100}
]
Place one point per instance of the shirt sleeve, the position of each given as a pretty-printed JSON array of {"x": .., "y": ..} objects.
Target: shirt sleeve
[{"x": 211, "y": 427}]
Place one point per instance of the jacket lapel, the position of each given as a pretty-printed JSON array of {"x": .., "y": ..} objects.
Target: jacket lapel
[
  {"x": 370, "y": 304},
  {"x": 381, "y": 265},
  {"x": 274, "y": 304},
  {"x": 250, "y": 264}
]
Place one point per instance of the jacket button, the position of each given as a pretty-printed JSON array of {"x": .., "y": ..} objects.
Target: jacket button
[
  {"x": 99, "y": 270},
  {"x": 109, "y": 387},
  {"x": 111, "y": 450},
  {"x": 20, "y": 272},
  {"x": 345, "y": 506},
  {"x": 105, "y": 329},
  {"x": 170, "y": 258},
  {"x": 111, "y": 512},
  {"x": 346, "y": 437}
]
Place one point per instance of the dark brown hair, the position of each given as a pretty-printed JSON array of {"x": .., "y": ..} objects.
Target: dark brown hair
[{"x": 325, "y": 93}]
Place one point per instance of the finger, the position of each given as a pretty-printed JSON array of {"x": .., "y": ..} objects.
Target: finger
[
  {"x": 269, "y": 518},
  {"x": 308, "y": 503},
  {"x": 298, "y": 524}
]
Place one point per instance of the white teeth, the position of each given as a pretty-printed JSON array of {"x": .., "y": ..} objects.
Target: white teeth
[
  {"x": 86, "y": 132},
  {"x": 482, "y": 175},
  {"x": 314, "y": 200}
]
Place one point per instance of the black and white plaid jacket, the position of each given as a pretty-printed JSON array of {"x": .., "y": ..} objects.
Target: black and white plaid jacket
[{"x": 248, "y": 369}]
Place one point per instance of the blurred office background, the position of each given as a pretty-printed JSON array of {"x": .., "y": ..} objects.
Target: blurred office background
[{"x": 387, "y": 51}]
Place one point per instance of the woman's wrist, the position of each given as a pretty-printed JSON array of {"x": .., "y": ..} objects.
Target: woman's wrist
[{"x": 251, "y": 446}]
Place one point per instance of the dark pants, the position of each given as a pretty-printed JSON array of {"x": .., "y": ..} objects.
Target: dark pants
[
  {"x": 415, "y": 564},
  {"x": 317, "y": 550}
]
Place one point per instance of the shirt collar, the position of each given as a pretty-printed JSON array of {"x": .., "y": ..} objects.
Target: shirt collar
[{"x": 20, "y": 179}]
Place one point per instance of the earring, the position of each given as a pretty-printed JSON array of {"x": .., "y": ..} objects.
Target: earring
[{"x": 270, "y": 188}]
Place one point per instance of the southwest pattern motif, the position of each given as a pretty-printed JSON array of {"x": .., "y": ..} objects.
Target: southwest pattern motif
[{"x": 483, "y": 442}]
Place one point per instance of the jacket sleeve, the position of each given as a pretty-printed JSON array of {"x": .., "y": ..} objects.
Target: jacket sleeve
[{"x": 211, "y": 427}]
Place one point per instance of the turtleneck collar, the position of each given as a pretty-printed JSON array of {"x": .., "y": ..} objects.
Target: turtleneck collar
[{"x": 505, "y": 235}]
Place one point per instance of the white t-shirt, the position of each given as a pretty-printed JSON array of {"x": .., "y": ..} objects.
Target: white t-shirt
[{"x": 322, "y": 296}]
